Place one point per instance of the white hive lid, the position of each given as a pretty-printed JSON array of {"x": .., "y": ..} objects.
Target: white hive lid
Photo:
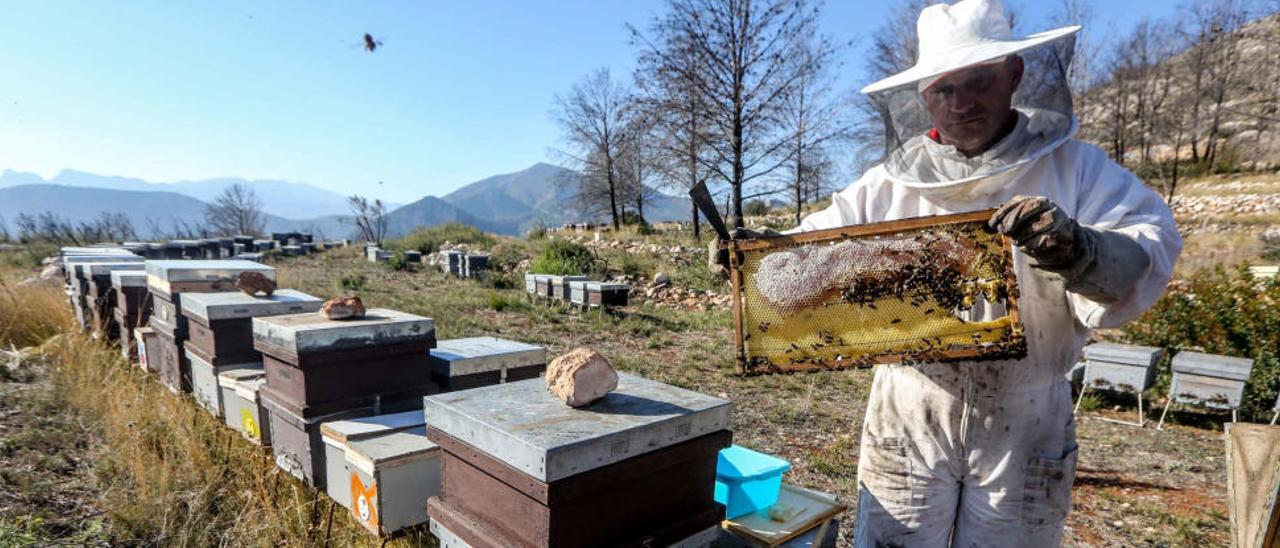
[
  {"x": 236, "y": 304},
  {"x": 524, "y": 426},
  {"x": 312, "y": 332},
  {"x": 454, "y": 357}
]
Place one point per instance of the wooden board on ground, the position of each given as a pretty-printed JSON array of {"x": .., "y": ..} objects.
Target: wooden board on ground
[
  {"x": 1253, "y": 483},
  {"x": 797, "y": 511}
]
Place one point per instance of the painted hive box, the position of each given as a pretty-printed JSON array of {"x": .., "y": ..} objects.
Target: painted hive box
[{"x": 916, "y": 290}]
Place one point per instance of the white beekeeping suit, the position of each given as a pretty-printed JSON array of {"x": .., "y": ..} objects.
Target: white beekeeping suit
[{"x": 984, "y": 453}]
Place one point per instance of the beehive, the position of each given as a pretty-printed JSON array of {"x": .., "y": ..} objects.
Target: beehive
[
  {"x": 602, "y": 294},
  {"x": 292, "y": 251},
  {"x": 338, "y": 435},
  {"x": 452, "y": 263},
  {"x": 170, "y": 361},
  {"x": 316, "y": 365},
  {"x": 295, "y": 437},
  {"x": 461, "y": 364},
  {"x": 144, "y": 340},
  {"x": 542, "y": 286},
  {"x": 204, "y": 380},
  {"x": 475, "y": 265},
  {"x": 168, "y": 278},
  {"x": 220, "y": 325},
  {"x": 578, "y": 293},
  {"x": 102, "y": 297},
  {"x": 916, "y": 290},
  {"x": 391, "y": 477},
  {"x": 560, "y": 286},
  {"x": 241, "y": 408},
  {"x": 1209, "y": 380},
  {"x": 1120, "y": 367},
  {"x": 521, "y": 468},
  {"x": 132, "y": 300}
]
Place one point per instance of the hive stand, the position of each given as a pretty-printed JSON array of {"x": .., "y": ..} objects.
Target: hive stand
[
  {"x": 1207, "y": 380},
  {"x": 1276, "y": 415},
  {"x": 1119, "y": 368}
]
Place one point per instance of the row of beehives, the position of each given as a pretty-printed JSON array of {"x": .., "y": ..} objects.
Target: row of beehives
[
  {"x": 575, "y": 290},
  {"x": 346, "y": 406},
  {"x": 1197, "y": 379},
  {"x": 466, "y": 265},
  {"x": 239, "y": 247}
]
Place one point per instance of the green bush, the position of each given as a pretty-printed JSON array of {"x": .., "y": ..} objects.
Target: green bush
[
  {"x": 352, "y": 282},
  {"x": 537, "y": 232},
  {"x": 397, "y": 262},
  {"x": 506, "y": 257},
  {"x": 428, "y": 239},
  {"x": 501, "y": 302},
  {"x": 565, "y": 258},
  {"x": 1220, "y": 312},
  {"x": 755, "y": 208}
]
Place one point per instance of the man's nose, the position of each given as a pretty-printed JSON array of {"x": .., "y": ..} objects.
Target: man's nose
[{"x": 961, "y": 102}]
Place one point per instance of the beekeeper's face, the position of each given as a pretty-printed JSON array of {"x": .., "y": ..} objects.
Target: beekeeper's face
[{"x": 970, "y": 107}]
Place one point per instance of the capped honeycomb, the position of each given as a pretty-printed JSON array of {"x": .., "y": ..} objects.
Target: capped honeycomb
[{"x": 916, "y": 290}]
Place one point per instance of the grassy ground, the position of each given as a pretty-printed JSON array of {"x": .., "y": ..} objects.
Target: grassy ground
[{"x": 148, "y": 467}]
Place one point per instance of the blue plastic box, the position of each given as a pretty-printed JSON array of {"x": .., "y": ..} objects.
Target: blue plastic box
[{"x": 747, "y": 481}]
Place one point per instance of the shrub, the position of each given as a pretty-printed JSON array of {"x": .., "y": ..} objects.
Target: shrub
[
  {"x": 501, "y": 302},
  {"x": 755, "y": 208},
  {"x": 428, "y": 240},
  {"x": 564, "y": 258},
  {"x": 506, "y": 257},
  {"x": 537, "y": 232},
  {"x": 352, "y": 282},
  {"x": 397, "y": 262},
  {"x": 1220, "y": 312}
]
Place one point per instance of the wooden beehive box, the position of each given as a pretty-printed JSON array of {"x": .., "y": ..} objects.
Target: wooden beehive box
[
  {"x": 390, "y": 479},
  {"x": 542, "y": 285},
  {"x": 132, "y": 297},
  {"x": 601, "y": 294},
  {"x": 461, "y": 364},
  {"x": 295, "y": 437},
  {"x": 475, "y": 265},
  {"x": 143, "y": 340},
  {"x": 241, "y": 408},
  {"x": 338, "y": 435},
  {"x": 316, "y": 365},
  {"x": 1120, "y": 367},
  {"x": 520, "y": 468},
  {"x": 220, "y": 325},
  {"x": 578, "y": 293},
  {"x": 102, "y": 296},
  {"x": 1209, "y": 379},
  {"x": 169, "y": 278},
  {"x": 171, "y": 362},
  {"x": 167, "y": 318},
  {"x": 453, "y": 263},
  {"x": 560, "y": 286},
  {"x": 530, "y": 283},
  {"x": 204, "y": 380}
]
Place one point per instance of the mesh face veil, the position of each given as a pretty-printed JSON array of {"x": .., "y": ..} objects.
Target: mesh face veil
[{"x": 1045, "y": 120}]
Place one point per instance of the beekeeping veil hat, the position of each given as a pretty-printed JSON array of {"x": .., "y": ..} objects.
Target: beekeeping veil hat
[{"x": 958, "y": 36}]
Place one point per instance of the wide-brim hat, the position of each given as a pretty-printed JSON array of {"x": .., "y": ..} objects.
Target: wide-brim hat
[{"x": 964, "y": 34}]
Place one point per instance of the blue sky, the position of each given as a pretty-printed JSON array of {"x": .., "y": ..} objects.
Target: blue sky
[{"x": 181, "y": 90}]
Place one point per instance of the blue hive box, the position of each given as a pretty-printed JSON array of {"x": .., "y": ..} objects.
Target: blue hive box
[{"x": 747, "y": 481}]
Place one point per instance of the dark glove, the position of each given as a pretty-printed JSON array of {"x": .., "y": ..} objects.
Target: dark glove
[
  {"x": 718, "y": 258},
  {"x": 1102, "y": 265},
  {"x": 1042, "y": 230}
]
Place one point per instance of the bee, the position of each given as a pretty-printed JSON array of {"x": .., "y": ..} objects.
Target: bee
[
  {"x": 764, "y": 327},
  {"x": 371, "y": 44},
  {"x": 896, "y": 320}
]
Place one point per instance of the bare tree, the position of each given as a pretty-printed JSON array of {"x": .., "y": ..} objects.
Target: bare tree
[
  {"x": 893, "y": 49},
  {"x": 746, "y": 51},
  {"x": 369, "y": 217},
  {"x": 4, "y": 230},
  {"x": 51, "y": 227},
  {"x": 814, "y": 119},
  {"x": 666, "y": 78},
  {"x": 235, "y": 211},
  {"x": 593, "y": 117},
  {"x": 637, "y": 165}
]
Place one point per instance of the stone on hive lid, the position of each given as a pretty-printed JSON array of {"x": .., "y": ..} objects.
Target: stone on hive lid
[
  {"x": 580, "y": 377},
  {"x": 343, "y": 308},
  {"x": 162, "y": 275},
  {"x": 253, "y": 283},
  {"x": 231, "y": 305},
  {"x": 524, "y": 426},
  {"x": 306, "y": 333}
]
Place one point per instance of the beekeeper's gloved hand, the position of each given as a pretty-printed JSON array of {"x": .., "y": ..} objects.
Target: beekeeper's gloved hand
[
  {"x": 718, "y": 259},
  {"x": 1101, "y": 265}
]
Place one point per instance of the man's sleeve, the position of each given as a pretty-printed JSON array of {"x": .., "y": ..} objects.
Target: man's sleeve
[
  {"x": 1111, "y": 198},
  {"x": 845, "y": 209}
]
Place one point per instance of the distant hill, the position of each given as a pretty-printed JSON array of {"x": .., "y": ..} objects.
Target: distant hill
[
  {"x": 280, "y": 198},
  {"x": 544, "y": 193},
  {"x": 505, "y": 204}
]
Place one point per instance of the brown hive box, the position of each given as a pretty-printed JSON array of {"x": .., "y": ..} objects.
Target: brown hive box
[
  {"x": 220, "y": 325},
  {"x": 520, "y": 468},
  {"x": 316, "y": 365},
  {"x": 167, "y": 357},
  {"x": 132, "y": 298},
  {"x": 101, "y": 297}
]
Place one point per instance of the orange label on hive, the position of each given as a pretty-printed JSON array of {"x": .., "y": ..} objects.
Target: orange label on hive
[{"x": 364, "y": 501}]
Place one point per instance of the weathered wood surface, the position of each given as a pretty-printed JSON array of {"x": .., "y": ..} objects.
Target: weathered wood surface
[{"x": 1253, "y": 483}]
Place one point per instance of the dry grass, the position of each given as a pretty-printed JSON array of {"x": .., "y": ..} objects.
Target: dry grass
[{"x": 32, "y": 313}]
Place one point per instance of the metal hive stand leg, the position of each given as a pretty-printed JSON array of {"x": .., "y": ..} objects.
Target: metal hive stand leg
[
  {"x": 1275, "y": 416},
  {"x": 1083, "y": 388},
  {"x": 1160, "y": 426}
]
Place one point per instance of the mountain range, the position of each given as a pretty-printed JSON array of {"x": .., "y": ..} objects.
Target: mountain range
[{"x": 505, "y": 204}]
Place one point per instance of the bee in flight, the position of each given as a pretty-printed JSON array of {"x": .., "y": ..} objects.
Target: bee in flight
[{"x": 370, "y": 44}]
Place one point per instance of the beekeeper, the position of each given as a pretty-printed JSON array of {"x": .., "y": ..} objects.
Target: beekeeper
[{"x": 984, "y": 453}]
